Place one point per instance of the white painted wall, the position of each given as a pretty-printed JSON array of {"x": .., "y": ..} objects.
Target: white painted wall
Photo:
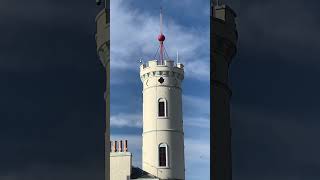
[
  {"x": 157, "y": 130},
  {"x": 120, "y": 165}
]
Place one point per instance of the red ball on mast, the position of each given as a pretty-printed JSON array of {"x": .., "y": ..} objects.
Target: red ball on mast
[{"x": 161, "y": 37}]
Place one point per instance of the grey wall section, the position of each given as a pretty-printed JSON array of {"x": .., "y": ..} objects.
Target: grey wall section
[
  {"x": 223, "y": 41},
  {"x": 103, "y": 50}
]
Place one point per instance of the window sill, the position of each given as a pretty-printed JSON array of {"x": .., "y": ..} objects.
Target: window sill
[
  {"x": 163, "y": 117},
  {"x": 163, "y": 167}
]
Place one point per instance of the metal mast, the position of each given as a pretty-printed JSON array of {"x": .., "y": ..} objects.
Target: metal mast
[{"x": 161, "y": 39}]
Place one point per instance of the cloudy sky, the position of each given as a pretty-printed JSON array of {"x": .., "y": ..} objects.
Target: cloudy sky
[
  {"x": 134, "y": 31},
  {"x": 52, "y": 84},
  {"x": 274, "y": 78},
  {"x": 52, "y": 106}
]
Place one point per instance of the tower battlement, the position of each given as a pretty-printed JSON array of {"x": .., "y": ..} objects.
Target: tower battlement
[
  {"x": 167, "y": 63},
  {"x": 152, "y": 69}
]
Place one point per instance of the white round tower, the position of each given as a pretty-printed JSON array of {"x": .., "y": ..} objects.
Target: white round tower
[{"x": 163, "y": 138}]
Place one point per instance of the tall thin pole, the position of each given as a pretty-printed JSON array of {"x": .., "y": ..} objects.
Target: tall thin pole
[
  {"x": 161, "y": 42},
  {"x": 160, "y": 20},
  {"x": 177, "y": 57},
  {"x": 161, "y": 38}
]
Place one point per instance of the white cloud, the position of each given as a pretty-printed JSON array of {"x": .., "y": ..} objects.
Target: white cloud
[
  {"x": 198, "y": 69},
  {"x": 126, "y": 120},
  {"x": 197, "y": 122},
  {"x": 133, "y": 35},
  {"x": 198, "y": 105}
]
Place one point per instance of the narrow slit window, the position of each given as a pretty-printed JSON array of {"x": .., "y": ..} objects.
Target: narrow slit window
[
  {"x": 161, "y": 109},
  {"x": 162, "y": 155}
]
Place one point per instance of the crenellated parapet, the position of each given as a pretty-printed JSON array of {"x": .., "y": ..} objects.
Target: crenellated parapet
[{"x": 167, "y": 74}]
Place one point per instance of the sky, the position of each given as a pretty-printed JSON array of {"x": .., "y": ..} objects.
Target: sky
[
  {"x": 134, "y": 30},
  {"x": 275, "y": 102},
  {"x": 52, "y": 84}
]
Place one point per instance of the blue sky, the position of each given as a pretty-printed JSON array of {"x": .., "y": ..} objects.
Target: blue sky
[{"x": 134, "y": 28}]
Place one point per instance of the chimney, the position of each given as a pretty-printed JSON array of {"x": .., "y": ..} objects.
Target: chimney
[
  {"x": 115, "y": 146},
  {"x": 120, "y": 146},
  {"x": 125, "y": 145}
]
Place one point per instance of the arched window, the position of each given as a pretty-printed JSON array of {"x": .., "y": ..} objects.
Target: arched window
[
  {"x": 162, "y": 107},
  {"x": 163, "y": 155}
]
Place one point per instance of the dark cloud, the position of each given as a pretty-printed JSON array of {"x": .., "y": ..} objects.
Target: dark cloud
[
  {"x": 275, "y": 102},
  {"x": 45, "y": 34},
  {"x": 52, "y": 108},
  {"x": 274, "y": 145},
  {"x": 51, "y": 118},
  {"x": 287, "y": 28},
  {"x": 49, "y": 172},
  {"x": 47, "y": 11}
]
